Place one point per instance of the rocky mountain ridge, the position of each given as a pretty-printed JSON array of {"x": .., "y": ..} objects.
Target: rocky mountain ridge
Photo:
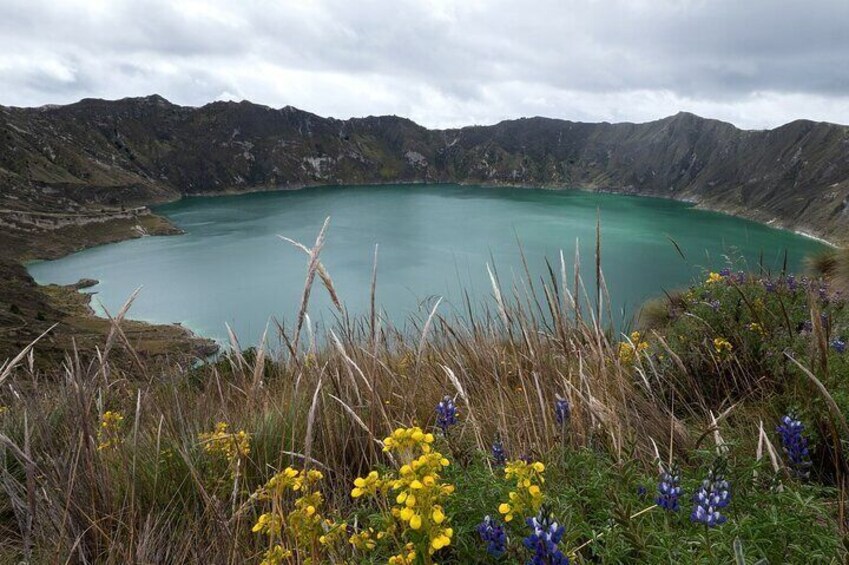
[{"x": 98, "y": 155}]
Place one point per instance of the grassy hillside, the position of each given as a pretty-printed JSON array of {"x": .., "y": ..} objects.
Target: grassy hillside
[
  {"x": 383, "y": 446},
  {"x": 28, "y": 310},
  {"x": 107, "y": 155}
]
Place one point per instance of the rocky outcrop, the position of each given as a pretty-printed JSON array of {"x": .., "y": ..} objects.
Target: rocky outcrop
[{"x": 99, "y": 154}]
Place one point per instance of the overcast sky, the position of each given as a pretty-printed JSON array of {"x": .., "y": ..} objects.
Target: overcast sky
[{"x": 756, "y": 63}]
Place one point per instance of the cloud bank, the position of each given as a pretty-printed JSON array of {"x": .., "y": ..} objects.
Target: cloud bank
[{"x": 755, "y": 63}]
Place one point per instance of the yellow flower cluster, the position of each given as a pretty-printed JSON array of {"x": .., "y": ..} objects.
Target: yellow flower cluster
[
  {"x": 630, "y": 350},
  {"x": 526, "y": 499},
  {"x": 369, "y": 485},
  {"x": 756, "y": 327},
  {"x": 406, "y": 557},
  {"x": 421, "y": 493},
  {"x": 405, "y": 441},
  {"x": 714, "y": 278},
  {"x": 109, "y": 433},
  {"x": 229, "y": 446},
  {"x": 302, "y": 528},
  {"x": 276, "y": 555},
  {"x": 365, "y": 540},
  {"x": 722, "y": 346},
  {"x": 420, "y": 497}
]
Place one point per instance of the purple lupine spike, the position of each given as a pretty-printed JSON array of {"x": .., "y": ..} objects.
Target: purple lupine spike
[
  {"x": 669, "y": 488},
  {"x": 769, "y": 285},
  {"x": 492, "y": 533},
  {"x": 545, "y": 534},
  {"x": 792, "y": 285},
  {"x": 446, "y": 414},
  {"x": 795, "y": 445},
  {"x": 499, "y": 458},
  {"x": 562, "y": 410},
  {"x": 713, "y": 495}
]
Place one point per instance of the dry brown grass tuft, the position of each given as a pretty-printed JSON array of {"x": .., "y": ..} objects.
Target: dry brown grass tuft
[{"x": 157, "y": 497}]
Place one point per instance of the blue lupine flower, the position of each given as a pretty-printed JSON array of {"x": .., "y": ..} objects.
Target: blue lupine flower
[
  {"x": 769, "y": 285},
  {"x": 641, "y": 491},
  {"x": 839, "y": 345},
  {"x": 492, "y": 533},
  {"x": 726, "y": 272},
  {"x": 499, "y": 458},
  {"x": 669, "y": 489},
  {"x": 546, "y": 533},
  {"x": 712, "y": 496},
  {"x": 795, "y": 445},
  {"x": 446, "y": 414},
  {"x": 562, "y": 411},
  {"x": 791, "y": 283}
]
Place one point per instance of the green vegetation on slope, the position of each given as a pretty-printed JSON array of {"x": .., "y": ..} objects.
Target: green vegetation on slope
[
  {"x": 106, "y": 463},
  {"x": 27, "y": 310},
  {"x": 139, "y": 151}
]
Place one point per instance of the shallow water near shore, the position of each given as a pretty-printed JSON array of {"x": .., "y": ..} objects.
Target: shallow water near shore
[{"x": 434, "y": 241}]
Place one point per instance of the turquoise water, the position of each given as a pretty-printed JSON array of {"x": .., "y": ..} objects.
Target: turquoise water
[{"x": 435, "y": 241}]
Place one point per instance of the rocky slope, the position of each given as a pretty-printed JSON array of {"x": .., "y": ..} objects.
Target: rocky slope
[{"x": 100, "y": 156}]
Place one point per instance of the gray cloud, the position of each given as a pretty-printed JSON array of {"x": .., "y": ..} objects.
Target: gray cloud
[{"x": 757, "y": 63}]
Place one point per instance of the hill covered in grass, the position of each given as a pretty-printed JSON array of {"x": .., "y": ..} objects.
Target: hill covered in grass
[
  {"x": 80, "y": 175},
  {"x": 533, "y": 432},
  {"x": 99, "y": 157},
  {"x": 713, "y": 433}
]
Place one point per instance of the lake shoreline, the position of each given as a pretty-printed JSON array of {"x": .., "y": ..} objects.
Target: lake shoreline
[
  {"x": 423, "y": 190},
  {"x": 753, "y": 215},
  {"x": 36, "y": 307}
]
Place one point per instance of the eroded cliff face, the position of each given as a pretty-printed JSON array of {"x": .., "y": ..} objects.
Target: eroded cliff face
[{"x": 106, "y": 155}]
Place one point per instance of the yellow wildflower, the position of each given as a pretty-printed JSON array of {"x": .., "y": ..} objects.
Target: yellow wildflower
[
  {"x": 419, "y": 493},
  {"x": 722, "y": 346},
  {"x": 268, "y": 523},
  {"x": 367, "y": 486},
  {"x": 408, "y": 439},
  {"x": 108, "y": 436},
  {"x": 756, "y": 327},
  {"x": 364, "y": 540},
  {"x": 714, "y": 278},
  {"x": 303, "y": 525},
  {"x": 406, "y": 557},
  {"x": 630, "y": 350},
  {"x": 333, "y": 532},
  {"x": 526, "y": 499},
  {"x": 230, "y": 446},
  {"x": 276, "y": 555}
]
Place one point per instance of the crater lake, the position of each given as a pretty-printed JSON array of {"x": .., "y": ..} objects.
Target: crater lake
[{"x": 230, "y": 266}]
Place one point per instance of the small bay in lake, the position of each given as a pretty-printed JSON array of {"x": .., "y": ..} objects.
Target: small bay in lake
[{"x": 434, "y": 241}]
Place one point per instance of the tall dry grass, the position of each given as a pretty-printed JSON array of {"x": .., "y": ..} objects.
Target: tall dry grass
[
  {"x": 157, "y": 497},
  {"x": 833, "y": 265}
]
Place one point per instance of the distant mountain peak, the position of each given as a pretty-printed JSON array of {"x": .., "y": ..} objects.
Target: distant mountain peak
[{"x": 146, "y": 149}]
